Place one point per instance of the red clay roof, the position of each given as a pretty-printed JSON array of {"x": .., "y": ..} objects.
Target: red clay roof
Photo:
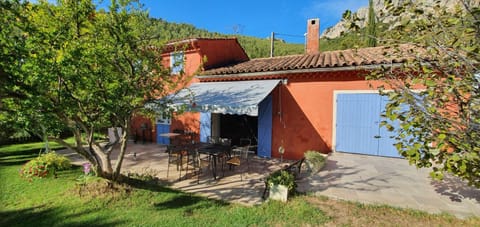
[{"x": 328, "y": 59}]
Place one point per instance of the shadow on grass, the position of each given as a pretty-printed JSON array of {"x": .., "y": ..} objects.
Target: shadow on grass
[
  {"x": 18, "y": 157},
  {"x": 41, "y": 216},
  {"x": 180, "y": 200},
  {"x": 189, "y": 203}
]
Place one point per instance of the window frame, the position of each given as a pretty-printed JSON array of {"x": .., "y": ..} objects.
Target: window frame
[{"x": 177, "y": 62}]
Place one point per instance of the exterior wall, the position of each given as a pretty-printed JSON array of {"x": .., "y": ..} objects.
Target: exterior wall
[
  {"x": 303, "y": 111},
  {"x": 188, "y": 122},
  {"x": 221, "y": 52},
  {"x": 192, "y": 64},
  {"x": 139, "y": 133},
  {"x": 216, "y": 52}
]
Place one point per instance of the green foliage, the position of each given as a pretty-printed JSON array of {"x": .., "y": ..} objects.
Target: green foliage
[
  {"x": 440, "y": 121},
  {"x": 315, "y": 160},
  {"x": 45, "y": 165},
  {"x": 283, "y": 177},
  {"x": 69, "y": 66},
  {"x": 371, "y": 26}
]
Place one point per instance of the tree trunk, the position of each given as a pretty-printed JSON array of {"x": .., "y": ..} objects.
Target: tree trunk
[{"x": 123, "y": 148}]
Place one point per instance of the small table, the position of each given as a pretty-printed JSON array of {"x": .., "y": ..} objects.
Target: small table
[{"x": 170, "y": 134}]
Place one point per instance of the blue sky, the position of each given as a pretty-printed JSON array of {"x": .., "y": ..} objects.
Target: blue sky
[{"x": 253, "y": 18}]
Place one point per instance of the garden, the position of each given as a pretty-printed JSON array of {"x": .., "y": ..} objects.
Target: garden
[{"x": 73, "y": 197}]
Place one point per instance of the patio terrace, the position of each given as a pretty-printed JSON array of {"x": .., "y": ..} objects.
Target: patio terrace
[{"x": 152, "y": 159}]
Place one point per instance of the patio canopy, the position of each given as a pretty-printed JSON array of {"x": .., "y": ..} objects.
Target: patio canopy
[{"x": 237, "y": 97}]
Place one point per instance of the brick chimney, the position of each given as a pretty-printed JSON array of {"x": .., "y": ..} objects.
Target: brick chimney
[{"x": 313, "y": 35}]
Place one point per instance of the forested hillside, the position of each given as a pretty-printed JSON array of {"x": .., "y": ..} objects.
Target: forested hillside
[{"x": 257, "y": 47}]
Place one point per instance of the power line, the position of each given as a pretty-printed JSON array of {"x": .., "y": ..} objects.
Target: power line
[{"x": 289, "y": 35}]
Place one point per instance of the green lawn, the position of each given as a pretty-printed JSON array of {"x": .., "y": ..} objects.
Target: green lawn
[{"x": 57, "y": 202}]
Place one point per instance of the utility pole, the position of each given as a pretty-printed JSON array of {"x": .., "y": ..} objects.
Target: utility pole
[{"x": 272, "y": 39}]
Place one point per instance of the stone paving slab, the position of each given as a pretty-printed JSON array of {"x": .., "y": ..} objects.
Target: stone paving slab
[{"x": 392, "y": 181}]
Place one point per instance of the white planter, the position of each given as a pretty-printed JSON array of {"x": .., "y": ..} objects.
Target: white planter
[{"x": 278, "y": 192}]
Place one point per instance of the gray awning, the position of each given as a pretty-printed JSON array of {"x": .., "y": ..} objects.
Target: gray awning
[{"x": 237, "y": 97}]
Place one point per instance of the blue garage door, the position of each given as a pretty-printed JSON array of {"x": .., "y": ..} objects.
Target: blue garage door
[{"x": 358, "y": 125}]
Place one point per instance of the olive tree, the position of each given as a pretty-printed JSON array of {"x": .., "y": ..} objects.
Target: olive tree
[{"x": 436, "y": 94}]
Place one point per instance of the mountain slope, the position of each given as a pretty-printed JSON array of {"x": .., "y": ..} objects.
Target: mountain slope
[{"x": 385, "y": 16}]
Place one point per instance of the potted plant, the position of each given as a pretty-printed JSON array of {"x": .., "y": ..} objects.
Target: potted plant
[
  {"x": 281, "y": 183},
  {"x": 315, "y": 161}
]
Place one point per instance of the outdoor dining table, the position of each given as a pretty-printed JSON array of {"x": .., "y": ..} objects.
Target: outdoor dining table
[{"x": 214, "y": 152}]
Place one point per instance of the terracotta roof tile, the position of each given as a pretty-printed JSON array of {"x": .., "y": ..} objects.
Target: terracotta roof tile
[{"x": 328, "y": 59}]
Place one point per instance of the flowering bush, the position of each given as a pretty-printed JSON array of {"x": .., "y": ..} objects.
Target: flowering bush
[{"x": 44, "y": 165}]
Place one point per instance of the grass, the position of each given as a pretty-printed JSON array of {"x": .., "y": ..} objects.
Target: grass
[{"x": 57, "y": 202}]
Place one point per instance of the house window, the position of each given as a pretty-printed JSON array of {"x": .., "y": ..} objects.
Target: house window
[
  {"x": 176, "y": 62},
  {"x": 163, "y": 119}
]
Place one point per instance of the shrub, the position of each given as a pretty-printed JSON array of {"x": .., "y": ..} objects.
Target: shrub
[
  {"x": 283, "y": 177},
  {"x": 315, "y": 160},
  {"x": 44, "y": 165}
]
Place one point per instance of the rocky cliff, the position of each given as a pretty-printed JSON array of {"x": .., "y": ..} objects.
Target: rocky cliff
[{"x": 383, "y": 16}]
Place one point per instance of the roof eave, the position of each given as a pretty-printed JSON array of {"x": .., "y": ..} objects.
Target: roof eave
[{"x": 297, "y": 71}]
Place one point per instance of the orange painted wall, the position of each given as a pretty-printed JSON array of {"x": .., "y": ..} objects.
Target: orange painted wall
[
  {"x": 136, "y": 131},
  {"x": 188, "y": 122},
  {"x": 303, "y": 112},
  {"x": 192, "y": 64},
  {"x": 216, "y": 52},
  {"x": 221, "y": 52}
]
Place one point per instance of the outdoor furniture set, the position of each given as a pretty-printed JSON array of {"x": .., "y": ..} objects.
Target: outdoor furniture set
[{"x": 188, "y": 155}]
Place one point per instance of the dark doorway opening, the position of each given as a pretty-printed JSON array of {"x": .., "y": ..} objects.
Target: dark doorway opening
[{"x": 239, "y": 126}]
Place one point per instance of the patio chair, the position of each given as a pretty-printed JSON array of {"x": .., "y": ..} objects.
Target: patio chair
[
  {"x": 173, "y": 156},
  {"x": 245, "y": 145},
  {"x": 203, "y": 162},
  {"x": 176, "y": 155},
  {"x": 235, "y": 162},
  {"x": 192, "y": 162},
  {"x": 234, "y": 158},
  {"x": 213, "y": 139}
]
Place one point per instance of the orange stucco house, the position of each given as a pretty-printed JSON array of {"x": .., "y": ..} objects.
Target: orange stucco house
[{"x": 314, "y": 101}]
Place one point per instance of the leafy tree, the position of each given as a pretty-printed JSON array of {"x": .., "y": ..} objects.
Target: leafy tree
[
  {"x": 440, "y": 123},
  {"x": 67, "y": 65}
]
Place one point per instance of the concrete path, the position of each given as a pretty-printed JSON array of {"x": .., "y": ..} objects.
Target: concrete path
[{"x": 380, "y": 180}]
